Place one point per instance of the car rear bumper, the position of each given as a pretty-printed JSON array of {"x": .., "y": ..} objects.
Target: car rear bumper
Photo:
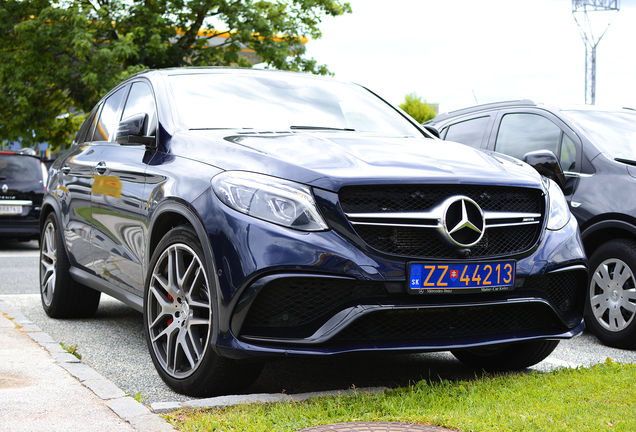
[{"x": 19, "y": 228}]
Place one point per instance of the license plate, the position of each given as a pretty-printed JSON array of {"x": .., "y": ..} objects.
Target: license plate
[
  {"x": 434, "y": 278},
  {"x": 10, "y": 210}
]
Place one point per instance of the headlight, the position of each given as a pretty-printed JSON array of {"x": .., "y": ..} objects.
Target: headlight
[
  {"x": 559, "y": 214},
  {"x": 278, "y": 201}
]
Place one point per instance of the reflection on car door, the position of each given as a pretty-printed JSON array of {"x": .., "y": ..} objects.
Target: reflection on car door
[
  {"x": 74, "y": 194},
  {"x": 117, "y": 198}
]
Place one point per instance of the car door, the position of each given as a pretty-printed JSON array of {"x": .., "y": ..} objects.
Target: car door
[
  {"x": 519, "y": 132},
  {"x": 73, "y": 184},
  {"x": 117, "y": 197}
]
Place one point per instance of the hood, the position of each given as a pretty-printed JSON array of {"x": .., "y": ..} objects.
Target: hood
[{"x": 329, "y": 160}]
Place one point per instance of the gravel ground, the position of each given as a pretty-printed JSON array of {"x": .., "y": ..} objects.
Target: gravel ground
[{"x": 113, "y": 343}]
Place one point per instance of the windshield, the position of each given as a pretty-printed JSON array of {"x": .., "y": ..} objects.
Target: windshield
[
  {"x": 282, "y": 102},
  {"x": 613, "y": 132}
]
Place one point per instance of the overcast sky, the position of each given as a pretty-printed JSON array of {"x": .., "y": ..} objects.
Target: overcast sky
[{"x": 444, "y": 50}]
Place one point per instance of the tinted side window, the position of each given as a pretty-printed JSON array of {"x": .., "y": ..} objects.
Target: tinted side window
[
  {"x": 141, "y": 101},
  {"x": 523, "y": 133},
  {"x": 468, "y": 132},
  {"x": 86, "y": 130},
  {"x": 568, "y": 154},
  {"x": 108, "y": 118}
]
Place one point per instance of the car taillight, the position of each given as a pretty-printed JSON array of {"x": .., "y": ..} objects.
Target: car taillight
[{"x": 45, "y": 174}]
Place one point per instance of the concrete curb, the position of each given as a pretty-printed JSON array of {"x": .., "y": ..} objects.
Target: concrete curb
[
  {"x": 223, "y": 401},
  {"x": 127, "y": 408}
]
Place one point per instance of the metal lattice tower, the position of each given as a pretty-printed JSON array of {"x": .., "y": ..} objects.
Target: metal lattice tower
[{"x": 587, "y": 29}]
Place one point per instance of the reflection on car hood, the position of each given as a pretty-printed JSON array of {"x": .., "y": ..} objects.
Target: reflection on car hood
[{"x": 330, "y": 160}]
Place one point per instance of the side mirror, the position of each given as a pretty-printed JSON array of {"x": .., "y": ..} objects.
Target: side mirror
[
  {"x": 546, "y": 164},
  {"x": 131, "y": 131},
  {"x": 432, "y": 130}
]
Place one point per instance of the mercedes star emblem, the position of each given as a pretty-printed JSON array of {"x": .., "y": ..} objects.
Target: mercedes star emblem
[
  {"x": 5, "y": 188},
  {"x": 464, "y": 222}
]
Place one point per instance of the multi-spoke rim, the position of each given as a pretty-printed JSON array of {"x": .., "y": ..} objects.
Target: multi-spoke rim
[
  {"x": 613, "y": 295},
  {"x": 48, "y": 261},
  {"x": 179, "y": 311}
]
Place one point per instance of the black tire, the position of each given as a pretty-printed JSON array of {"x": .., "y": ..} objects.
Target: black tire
[
  {"x": 610, "y": 303},
  {"x": 509, "y": 357},
  {"x": 62, "y": 297},
  {"x": 179, "y": 323}
]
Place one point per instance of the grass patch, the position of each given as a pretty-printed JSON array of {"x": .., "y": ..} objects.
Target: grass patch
[
  {"x": 71, "y": 349},
  {"x": 140, "y": 398},
  {"x": 600, "y": 398}
]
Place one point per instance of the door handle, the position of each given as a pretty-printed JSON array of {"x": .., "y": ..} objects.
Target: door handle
[
  {"x": 101, "y": 167},
  {"x": 65, "y": 169}
]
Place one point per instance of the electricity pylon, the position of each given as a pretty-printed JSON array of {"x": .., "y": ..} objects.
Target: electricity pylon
[{"x": 587, "y": 29}]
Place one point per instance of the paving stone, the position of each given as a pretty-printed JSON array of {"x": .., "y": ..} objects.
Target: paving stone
[
  {"x": 31, "y": 328},
  {"x": 166, "y": 407},
  {"x": 104, "y": 388},
  {"x": 81, "y": 371},
  {"x": 40, "y": 337},
  {"x": 127, "y": 407},
  {"x": 151, "y": 423},
  {"x": 65, "y": 357}
]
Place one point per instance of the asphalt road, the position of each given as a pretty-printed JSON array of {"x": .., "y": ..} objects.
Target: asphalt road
[{"x": 113, "y": 343}]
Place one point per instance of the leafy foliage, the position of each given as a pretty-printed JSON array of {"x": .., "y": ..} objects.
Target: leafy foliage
[
  {"x": 58, "y": 57},
  {"x": 420, "y": 111}
]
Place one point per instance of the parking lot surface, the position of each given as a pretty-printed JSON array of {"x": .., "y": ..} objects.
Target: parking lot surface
[{"x": 112, "y": 342}]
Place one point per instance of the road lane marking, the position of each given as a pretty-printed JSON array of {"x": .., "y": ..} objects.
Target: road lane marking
[{"x": 30, "y": 254}]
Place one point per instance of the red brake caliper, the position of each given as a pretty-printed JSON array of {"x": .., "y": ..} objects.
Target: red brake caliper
[{"x": 172, "y": 300}]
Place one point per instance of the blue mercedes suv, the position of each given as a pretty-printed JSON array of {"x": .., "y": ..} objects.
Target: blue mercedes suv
[{"x": 254, "y": 214}]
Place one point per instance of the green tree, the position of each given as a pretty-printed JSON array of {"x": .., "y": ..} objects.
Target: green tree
[
  {"x": 420, "y": 111},
  {"x": 58, "y": 57}
]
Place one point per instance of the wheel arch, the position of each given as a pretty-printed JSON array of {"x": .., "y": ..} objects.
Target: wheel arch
[
  {"x": 171, "y": 214},
  {"x": 49, "y": 205},
  {"x": 601, "y": 232}
]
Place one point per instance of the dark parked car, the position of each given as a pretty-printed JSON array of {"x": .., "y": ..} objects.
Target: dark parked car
[
  {"x": 22, "y": 181},
  {"x": 593, "y": 155},
  {"x": 257, "y": 214}
]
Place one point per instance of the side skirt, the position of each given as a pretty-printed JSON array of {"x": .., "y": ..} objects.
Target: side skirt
[{"x": 99, "y": 284}]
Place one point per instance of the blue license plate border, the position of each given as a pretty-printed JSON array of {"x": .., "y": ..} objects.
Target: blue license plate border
[{"x": 425, "y": 277}]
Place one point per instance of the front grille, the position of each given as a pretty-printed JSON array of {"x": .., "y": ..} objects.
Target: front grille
[
  {"x": 377, "y": 199},
  {"x": 427, "y": 242},
  {"x": 562, "y": 289},
  {"x": 443, "y": 323}
]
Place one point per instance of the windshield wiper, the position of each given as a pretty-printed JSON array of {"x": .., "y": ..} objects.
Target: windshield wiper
[{"x": 320, "y": 128}]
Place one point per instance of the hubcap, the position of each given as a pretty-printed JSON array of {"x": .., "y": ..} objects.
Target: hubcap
[
  {"x": 613, "y": 295},
  {"x": 179, "y": 311},
  {"x": 48, "y": 262}
]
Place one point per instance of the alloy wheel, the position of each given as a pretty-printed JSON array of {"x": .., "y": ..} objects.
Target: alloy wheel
[
  {"x": 48, "y": 263},
  {"x": 179, "y": 310}
]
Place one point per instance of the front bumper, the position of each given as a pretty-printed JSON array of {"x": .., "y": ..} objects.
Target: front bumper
[{"x": 324, "y": 293}]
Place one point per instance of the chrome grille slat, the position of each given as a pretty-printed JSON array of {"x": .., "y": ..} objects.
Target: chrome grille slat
[{"x": 408, "y": 220}]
